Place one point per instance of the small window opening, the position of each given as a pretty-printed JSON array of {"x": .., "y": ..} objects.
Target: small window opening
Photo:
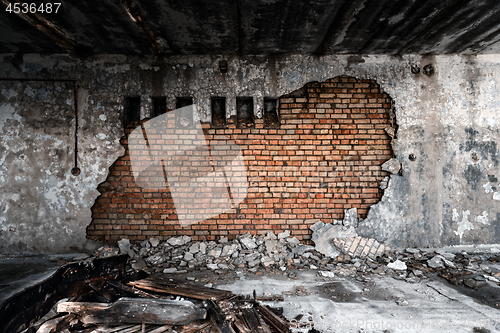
[
  {"x": 132, "y": 110},
  {"x": 159, "y": 106},
  {"x": 271, "y": 113},
  {"x": 218, "y": 105},
  {"x": 244, "y": 112},
  {"x": 185, "y": 116}
]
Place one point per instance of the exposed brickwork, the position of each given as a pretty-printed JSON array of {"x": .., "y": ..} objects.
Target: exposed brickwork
[{"x": 325, "y": 157}]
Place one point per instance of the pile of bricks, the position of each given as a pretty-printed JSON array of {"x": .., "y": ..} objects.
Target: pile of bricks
[{"x": 325, "y": 157}]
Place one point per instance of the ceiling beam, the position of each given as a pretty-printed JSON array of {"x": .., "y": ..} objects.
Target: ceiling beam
[
  {"x": 136, "y": 16},
  {"x": 44, "y": 26}
]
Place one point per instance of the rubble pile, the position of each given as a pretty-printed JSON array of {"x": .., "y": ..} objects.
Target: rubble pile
[
  {"x": 251, "y": 252},
  {"x": 338, "y": 251}
]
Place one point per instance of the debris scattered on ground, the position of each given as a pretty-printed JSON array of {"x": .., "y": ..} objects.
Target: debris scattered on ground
[
  {"x": 338, "y": 252},
  {"x": 155, "y": 304}
]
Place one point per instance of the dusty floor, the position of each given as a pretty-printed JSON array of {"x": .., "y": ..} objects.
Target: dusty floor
[{"x": 338, "y": 303}]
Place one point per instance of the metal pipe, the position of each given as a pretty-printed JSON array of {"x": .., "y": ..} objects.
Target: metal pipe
[{"x": 75, "y": 171}]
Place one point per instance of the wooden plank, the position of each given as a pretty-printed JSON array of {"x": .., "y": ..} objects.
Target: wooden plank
[
  {"x": 131, "y": 290},
  {"x": 50, "y": 325},
  {"x": 161, "y": 329},
  {"x": 179, "y": 288},
  {"x": 218, "y": 318},
  {"x": 196, "y": 326},
  {"x": 254, "y": 323},
  {"x": 264, "y": 326},
  {"x": 274, "y": 320},
  {"x": 135, "y": 310},
  {"x": 240, "y": 325}
]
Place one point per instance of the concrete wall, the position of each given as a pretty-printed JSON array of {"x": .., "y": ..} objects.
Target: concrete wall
[{"x": 450, "y": 194}]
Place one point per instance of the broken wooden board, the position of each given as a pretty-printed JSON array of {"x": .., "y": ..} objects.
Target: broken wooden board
[
  {"x": 135, "y": 311},
  {"x": 191, "y": 290},
  {"x": 274, "y": 320}
]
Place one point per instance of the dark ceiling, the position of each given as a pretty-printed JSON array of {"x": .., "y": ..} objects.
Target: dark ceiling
[{"x": 254, "y": 27}]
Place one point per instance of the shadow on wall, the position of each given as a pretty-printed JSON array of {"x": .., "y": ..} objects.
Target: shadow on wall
[{"x": 324, "y": 156}]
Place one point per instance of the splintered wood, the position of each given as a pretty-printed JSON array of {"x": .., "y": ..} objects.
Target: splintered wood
[{"x": 157, "y": 304}]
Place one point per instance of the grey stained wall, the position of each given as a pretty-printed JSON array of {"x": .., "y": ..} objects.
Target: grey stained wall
[{"x": 450, "y": 121}]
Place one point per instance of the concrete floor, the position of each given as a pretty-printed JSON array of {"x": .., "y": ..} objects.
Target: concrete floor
[
  {"x": 383, "y": 304},
  {"x": 336, "y": 304}
]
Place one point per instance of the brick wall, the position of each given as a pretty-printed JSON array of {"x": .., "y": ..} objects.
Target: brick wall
[{"x": 324, "y": 157}]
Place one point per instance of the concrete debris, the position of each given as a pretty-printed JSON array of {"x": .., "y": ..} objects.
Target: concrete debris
[
  {"x": 124, "y": 245},
  {"x": 436, "y": 262},
  {"x": 106, "y": 251},
  {"x": 194, "y": 248},
  {"x": 248, "y": 243},
  {"x": 271, "y": 235},
  {"x": 138, "y": 264},
  {"x": 284, "y": 234},
  {"x": 397, "y": 265},
  {"x": 338, "y": 252},
  {"x": 402, "y": 302},
  {"x": 301, "y": 249},
  {"x": 154, "y": 242},
  {"x": 323, "y": 235},
  {"x": 326, "y": 274},
  {"x": 176, "y": 241},
  {"x": 333, "y": 240},
  {"x": 393, "y": 166}
]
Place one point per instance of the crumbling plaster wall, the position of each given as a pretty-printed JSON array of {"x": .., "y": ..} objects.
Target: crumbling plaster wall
[{"x": 449, "y": 120}]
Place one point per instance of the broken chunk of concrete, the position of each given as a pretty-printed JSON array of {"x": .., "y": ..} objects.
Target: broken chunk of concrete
[
  {"x": 212, "y": 266},
  {"x": 436, "y": 262},
  {"x": 301, "y": 249},
  {"x": 323, "y": 238},
  {"x": 124, "y": 245},
  {"x": 397, "y": 265},
  {"x": 270, "y": 235},
  {"x": 328, "y": 274},
  {"x": 194, "y": 248},
  {"x": 203, "y": 248},
  {"x": 139, "y": 264},
  {"x": 350, "y": 218},
  {"x": 402, "y": 302},
  {"x": 248, "y": 243},
  {"x": 393, "y": 166},
  {"x": 284, "y": 234},
  {"x": 178, "y": 241},
  {"x": 293, "y": 241},
  {"x": 154, "y": 241}
]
